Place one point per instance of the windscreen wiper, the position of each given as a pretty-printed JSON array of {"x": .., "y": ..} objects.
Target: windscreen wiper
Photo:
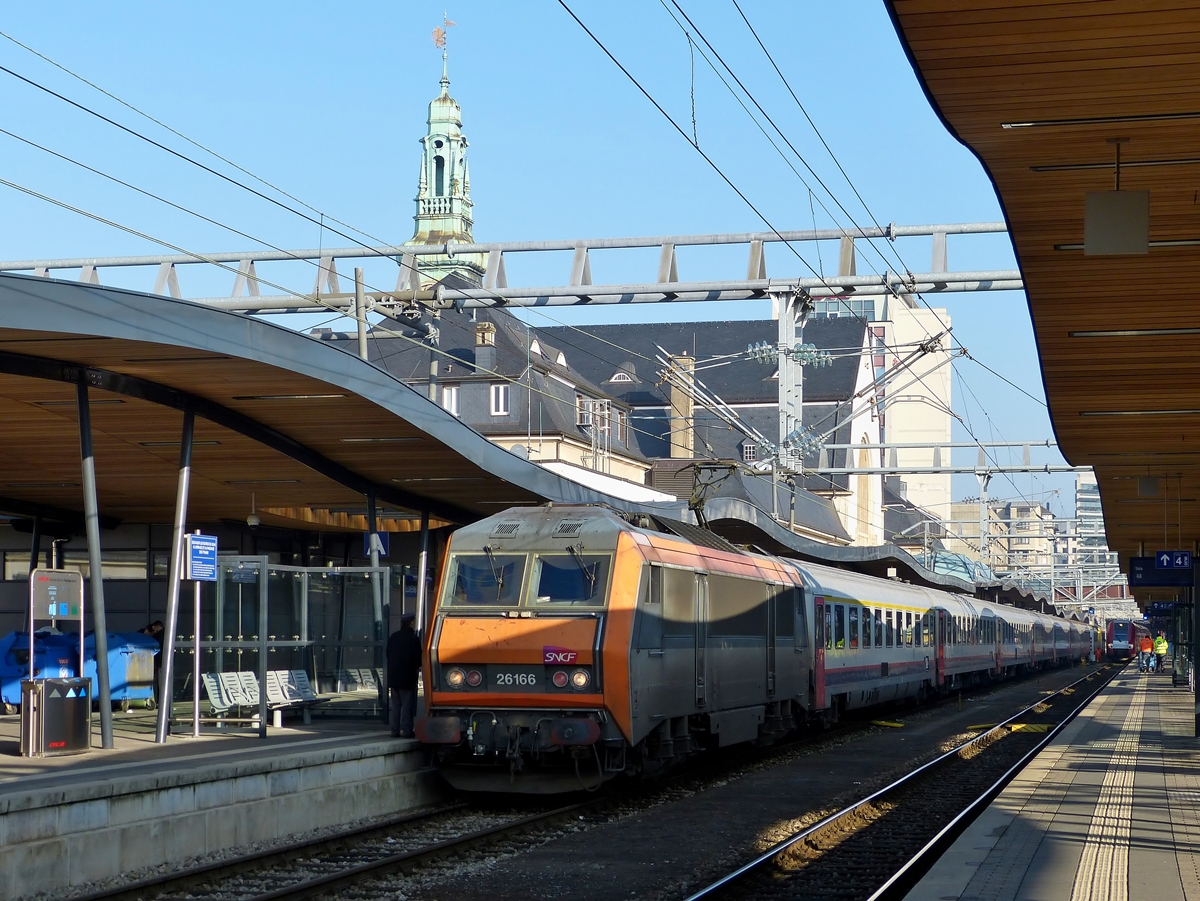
[
  {"x": 497, "y": 574},
  {"x": 575, "y": 551}
]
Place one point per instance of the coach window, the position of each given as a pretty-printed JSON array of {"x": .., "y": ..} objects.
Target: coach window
[
  {"x": 839, "y": 627},
  {"x": 878, "y": 627},
  {"x": 891, "y": 632},
  {"x": 853, "y": 626},
  {"x": 908, "y": 632},
  {"x": 828, "y": 627},
  {"x": 918, "y": 632},
  {"x": 866, "y": 626}
]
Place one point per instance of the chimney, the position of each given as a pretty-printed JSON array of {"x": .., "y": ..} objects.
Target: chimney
[
  {"x": 682, "y": 409},
  {"x": 485, "y": 346}
]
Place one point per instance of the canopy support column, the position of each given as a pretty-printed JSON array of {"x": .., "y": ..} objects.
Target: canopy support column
[
  {"x": 174, "y": 578},
  {"x": 91, "y": 512},
  {"x": 422, "y": 576}
]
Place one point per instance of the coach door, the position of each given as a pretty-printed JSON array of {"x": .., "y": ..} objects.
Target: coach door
[
  {"x": 941, "y": 647},
  {"x": 819, "y": 628},
  {"x": 701, "y": 639}
]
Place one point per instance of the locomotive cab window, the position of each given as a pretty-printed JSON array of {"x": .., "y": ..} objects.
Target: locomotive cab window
[
  {"x": 573, "y": 579},
  {"x": 485, "y": 580}
]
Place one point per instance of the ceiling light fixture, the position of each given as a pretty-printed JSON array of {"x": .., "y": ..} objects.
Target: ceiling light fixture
[
  {"x": 253, "y": 519},
  {"x": 1125, "y": 164},
  {"x": 262, "y": 481},
  {"x": 1186, "y": 412},
  {"x": 394, "y": 440},
  {"x": 98, "y": 402},
  {"x": 1101, "y": 120},
  {"x": 176, "y": 443},
  {"x": 1135, "y": 332},
  {"x": 1178, "y": 242},
  {"x": 286, "y": 396},
  {"x": 42, "y": 484}
]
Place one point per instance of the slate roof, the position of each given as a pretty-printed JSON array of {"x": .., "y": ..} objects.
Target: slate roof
[{"x": 597, "y": 353}]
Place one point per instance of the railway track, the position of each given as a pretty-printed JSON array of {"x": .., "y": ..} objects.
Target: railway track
[
  {"x": 879, "y": 847},
  {"x": 420, "y": 839}
]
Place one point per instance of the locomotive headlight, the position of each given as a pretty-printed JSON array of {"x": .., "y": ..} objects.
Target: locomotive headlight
[
  {"x": 474, "y": 678},
  {"x": 559, "y": 679},
  {"x": 580, "y": 678},
  {"x": 455, "y": 678}
]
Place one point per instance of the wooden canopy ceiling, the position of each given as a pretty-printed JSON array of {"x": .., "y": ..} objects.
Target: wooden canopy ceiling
[{"x": 1038, "y": 90}]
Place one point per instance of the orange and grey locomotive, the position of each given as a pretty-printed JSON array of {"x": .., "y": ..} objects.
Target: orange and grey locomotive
[{"x": 570, "y": 645}]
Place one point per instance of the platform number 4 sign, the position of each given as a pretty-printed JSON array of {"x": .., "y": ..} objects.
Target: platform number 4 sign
[{"x": 1173, "y": 560}]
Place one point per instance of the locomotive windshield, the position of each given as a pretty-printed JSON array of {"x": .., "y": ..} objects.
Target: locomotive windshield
[
  {"x": 573, "y": 579},
  {"x": 485, "y": 580}
]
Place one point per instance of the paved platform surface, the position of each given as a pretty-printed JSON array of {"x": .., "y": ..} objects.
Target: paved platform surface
[
  {"x": 1109, "y": 811},
  {"x": 136, "y": 754}
]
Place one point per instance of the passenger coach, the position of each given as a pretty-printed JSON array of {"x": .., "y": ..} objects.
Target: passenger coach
[{"x": 569, "y": 645}]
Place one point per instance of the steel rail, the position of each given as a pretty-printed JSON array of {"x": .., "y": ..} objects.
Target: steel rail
[
  {"x": 332, "y": 882},
  {"x": 153, "y": 886},
  {"x": 898, "y": 883}
]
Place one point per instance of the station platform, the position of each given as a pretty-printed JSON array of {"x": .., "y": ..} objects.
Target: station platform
[
  {"x": 71, "y": 820},
  {"x": 1109, "y": 811}
]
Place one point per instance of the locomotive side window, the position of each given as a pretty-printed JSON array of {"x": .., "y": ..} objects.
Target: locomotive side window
[
  {"x": 839, "y": 626},
  {"x": 891, "y": 632},
  {"x": 649, "y": 630},
  {"x": 878, "y": 627},
  {"x": 866, "y": 627},
  {"x": 854, "y": 626},
  {"x": 784, "y": 599},
  {"x": 737, "y": 606},
  {"x": 573, "y": 579},
  {"x": 485, "y": 580},
  {"x": 679, "y": 603}
]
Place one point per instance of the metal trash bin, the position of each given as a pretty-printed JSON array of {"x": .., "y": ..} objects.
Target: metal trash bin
[{"x": 56, "y": 717}]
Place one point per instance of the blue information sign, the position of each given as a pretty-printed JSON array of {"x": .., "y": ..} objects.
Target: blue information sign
[
  {"x": 1172, "y": 559},
  {"x": 201, "y": 558},
  {"x": 384, "y": 543},
  {"x": 1144, "y": 572}
]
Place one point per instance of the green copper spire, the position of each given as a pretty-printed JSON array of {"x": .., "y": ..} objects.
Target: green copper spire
[{"x": 444, "y": 192}]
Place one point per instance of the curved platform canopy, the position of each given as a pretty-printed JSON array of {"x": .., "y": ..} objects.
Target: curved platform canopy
[
  {"x": 1043, "y": 93},
  {"x": 301, "y": 429}
]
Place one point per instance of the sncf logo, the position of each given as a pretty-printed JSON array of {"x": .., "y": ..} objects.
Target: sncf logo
[{"x": 552, "y": 655}]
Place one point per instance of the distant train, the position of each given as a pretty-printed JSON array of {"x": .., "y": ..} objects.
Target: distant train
[
  {"x": 1123, "y": 637},
  {"x": 570, "y": 645}
]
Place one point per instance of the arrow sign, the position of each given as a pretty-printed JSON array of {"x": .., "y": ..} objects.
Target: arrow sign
[{"x": 1173, "y": 560}]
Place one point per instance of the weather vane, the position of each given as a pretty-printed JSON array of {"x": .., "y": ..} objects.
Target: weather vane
[{"x": 439, "y": 34}]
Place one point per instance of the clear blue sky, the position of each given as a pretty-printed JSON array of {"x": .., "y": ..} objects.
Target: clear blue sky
[{"x": 328, "y": 103}]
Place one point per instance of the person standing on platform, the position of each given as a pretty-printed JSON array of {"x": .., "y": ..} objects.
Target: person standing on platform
[
  {"x": 403, "y": 665},
  {"x": 1145, "y": 650},
  {"x": 1160, "y": 650}
]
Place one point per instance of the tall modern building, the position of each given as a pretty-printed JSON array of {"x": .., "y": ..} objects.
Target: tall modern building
[
  {"x": 444, "y": 195},
  {"x": 1093, "y": 546}
]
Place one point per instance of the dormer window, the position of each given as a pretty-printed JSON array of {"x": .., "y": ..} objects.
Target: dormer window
[
  {"x": 620, "y": 376},
  {"x": 535, "y": 348},
  {"x": 749, "y": 452},
  {"x": 562, "y": 359}
]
